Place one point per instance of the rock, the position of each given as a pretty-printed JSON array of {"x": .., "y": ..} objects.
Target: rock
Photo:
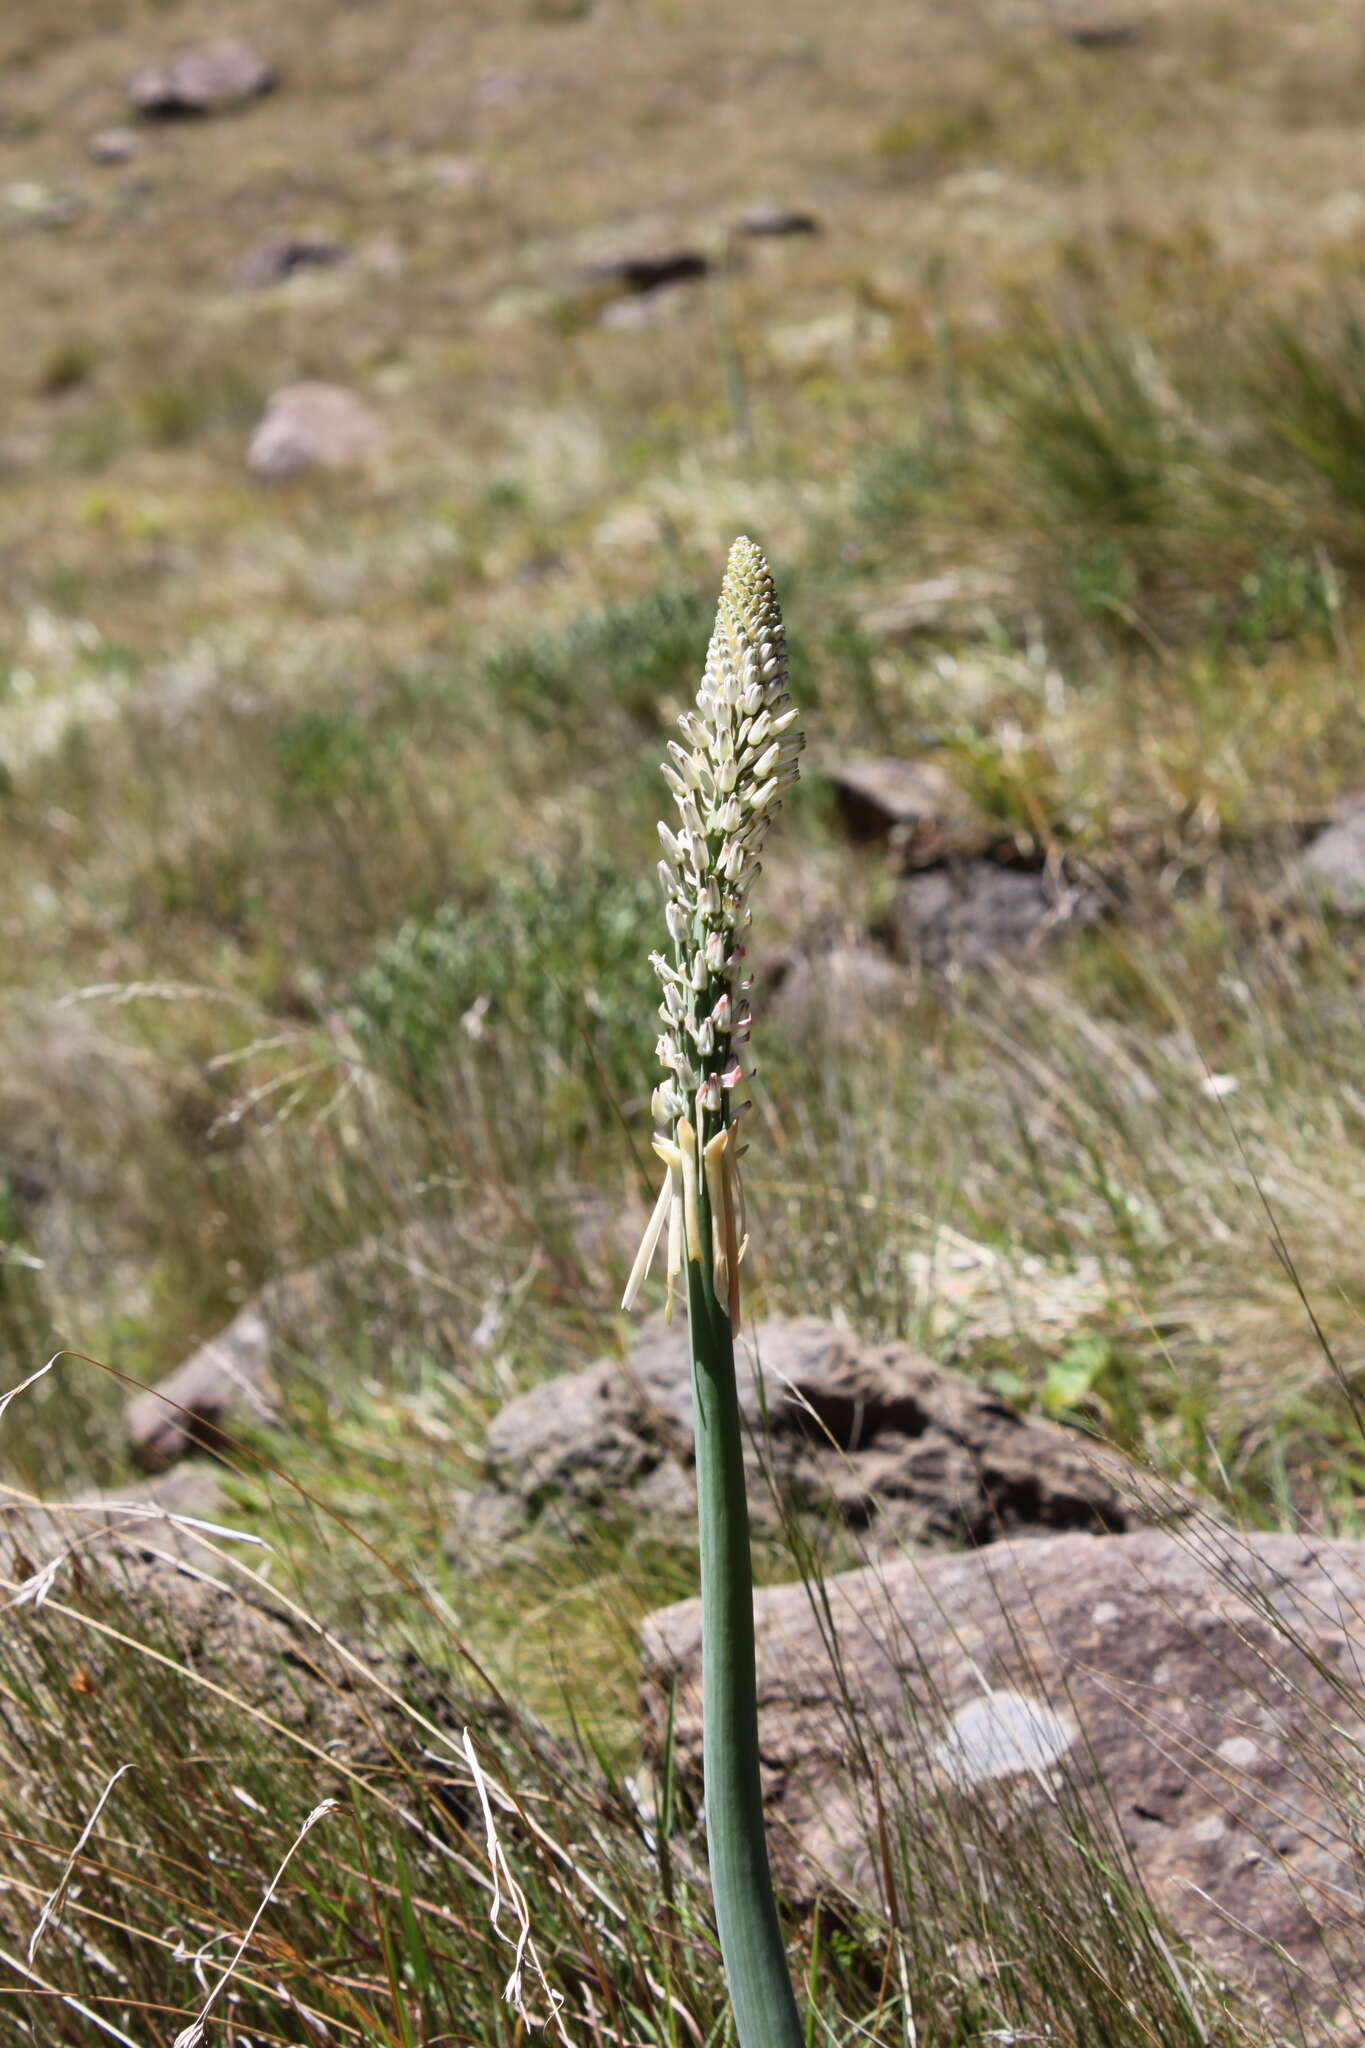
[
  {"x": 875, "y": 1435},
  {"x": 314, "y": 426},
  {"x": 914, "y": 806},
  {"x": 972, "y": 912},
  {"x": 137, "y": 1521},
  {"x": 836, "y": 992},
  {"x": 374, "y": 1286},
  {"x": 113, "y": 146},
  {"x": 1113, "y": 34},
  {"x": 196, "y": 1407},
  {"x": 1143, "y": 1674},
  {"x": 1334, "y": 865},
  {"x": 144, "y": 1579},
  {"x": 272, "y": 261},
  {"x": 645, "y": 271},
  {"x": 209, "y": 79},
  {"x": 772, "y": 219}
]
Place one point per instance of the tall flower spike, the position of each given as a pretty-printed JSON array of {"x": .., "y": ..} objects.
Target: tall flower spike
[{"x": 738, "y": 757}]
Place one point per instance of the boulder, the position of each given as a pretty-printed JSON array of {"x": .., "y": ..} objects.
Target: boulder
[
  {"x": 118, "y": 1590},
  {"x": 209, "y": 79},
  {"x": 1199, "y": 1691},
  {"x": 149, "y": 1518},
  {"x": 1333, "y": 868},
  {"x": 836, "y": 992},
  {"x": 972, "y": 912},
  {"x": 314, "y": 426},
  {"x": 231, "y": 1381},
  {"x": 912, "y": 806},
  {"x": 280, "y": 256},
  {"x": 874, "y": 1436},
  {"x": 224, "y": 1383}
]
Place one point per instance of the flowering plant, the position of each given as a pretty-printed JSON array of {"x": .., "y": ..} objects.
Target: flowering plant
[
  {"x": 738, "y": 755},
  {"x": 742, "y": 745}
]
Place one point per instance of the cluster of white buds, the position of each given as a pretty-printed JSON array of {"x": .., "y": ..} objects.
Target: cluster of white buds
[{"x": 739, "y": 754}]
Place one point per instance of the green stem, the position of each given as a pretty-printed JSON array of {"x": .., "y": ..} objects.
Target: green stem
[{"x": 746, "y": 1912}]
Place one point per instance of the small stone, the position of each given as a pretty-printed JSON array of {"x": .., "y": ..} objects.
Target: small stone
[
  {"x": 209, "y": 79},
  {"x": 272, "y": 261},
  {"x": 1334, "y": 865},
  {"x": 113, "y": 146},
  {"x": 645, "y": 270},
  {"x": 776, "y": 220},
  {"x": 314, "y": 426},
  {"x": 1101, "y": 34}
]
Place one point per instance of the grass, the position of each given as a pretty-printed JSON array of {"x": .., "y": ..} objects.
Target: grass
[{"x": 325, "y": 813}]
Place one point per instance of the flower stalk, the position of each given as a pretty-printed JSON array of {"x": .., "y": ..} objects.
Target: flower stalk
[{"x": 740, "y": 756}]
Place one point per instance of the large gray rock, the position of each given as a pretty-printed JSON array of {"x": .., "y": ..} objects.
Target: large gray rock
[
  {"x": 1334, "y": 865},
  {"x": 973, "y": 912},
  {"x": 874, "y": 1436},
  {"x": 1202, "y": 1690},
  {"x": 314, "y": 426},
  {"x": 209, "y": 79}
]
